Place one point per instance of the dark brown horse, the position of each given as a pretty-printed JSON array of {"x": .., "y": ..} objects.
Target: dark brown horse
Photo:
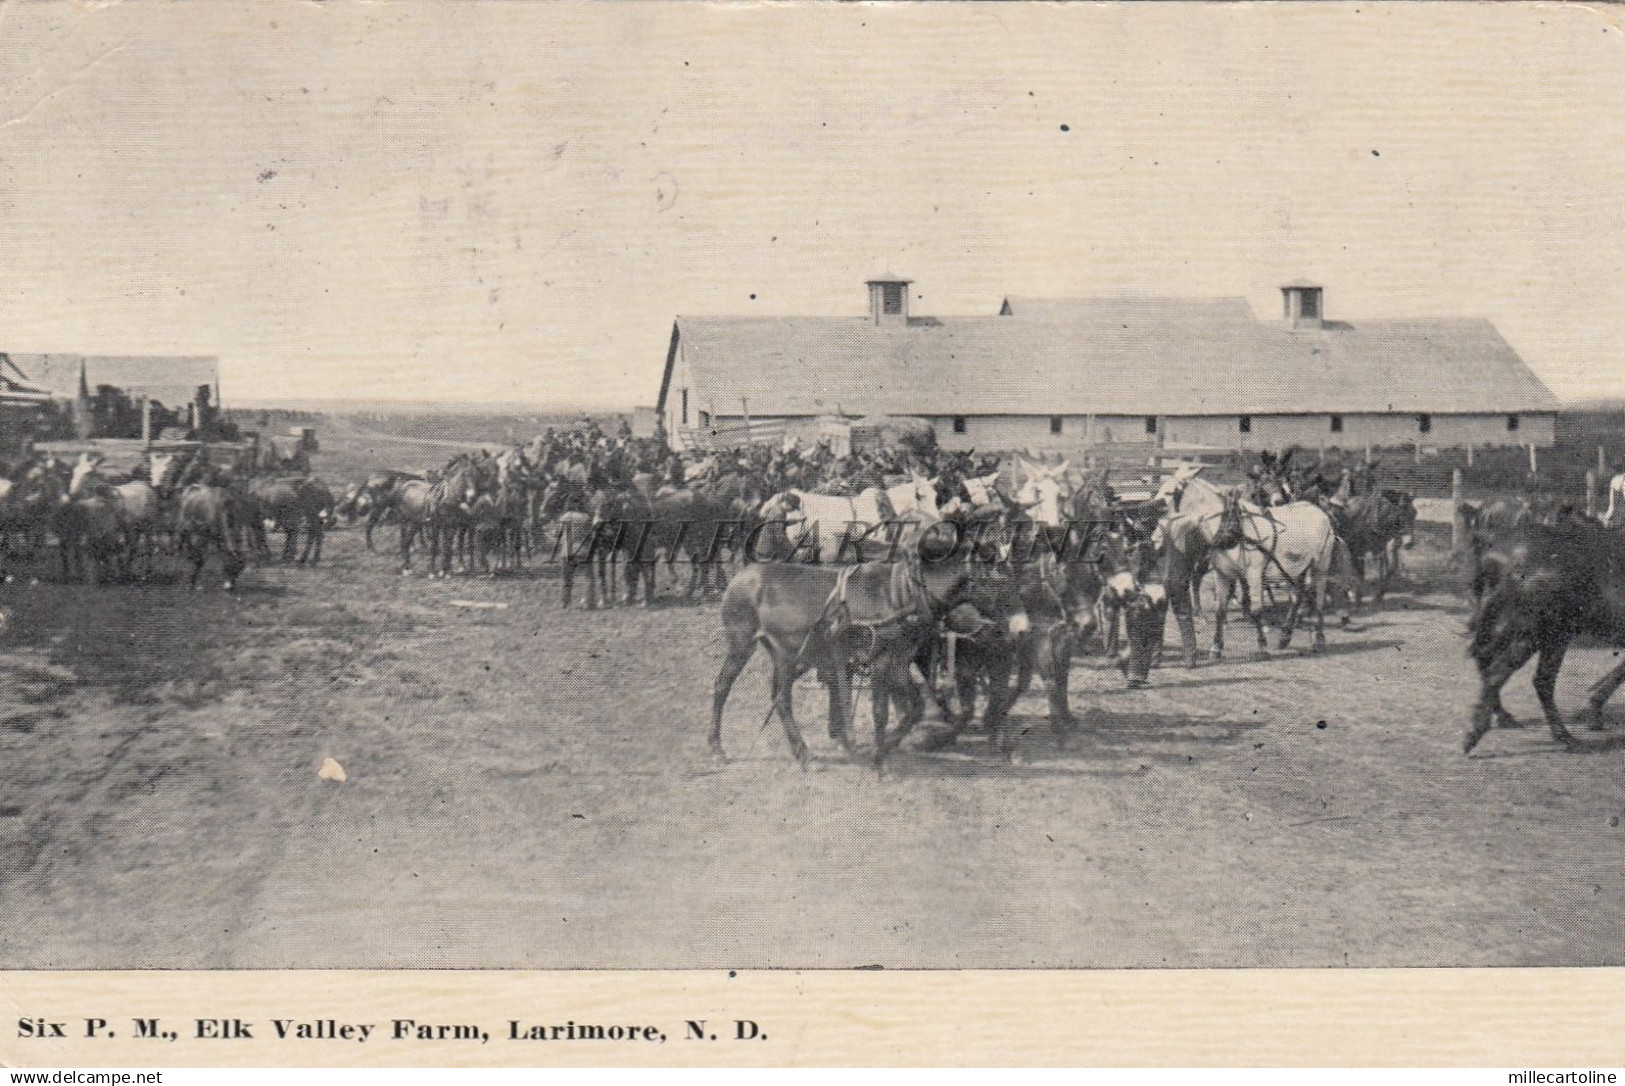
[
  {"x": 292, "y": 505},
  {"x": 1556, "y": 583},
  {"x": 875, "y": 614}
]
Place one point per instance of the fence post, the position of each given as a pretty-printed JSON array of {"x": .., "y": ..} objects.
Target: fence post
[
  {"x": 1469, "y": 454},
  {"x": 1534, "y": 461},
  {"x": 1418, "y": 447},
  {"x": 1368, "y": 452},
  {"x": 1457, "y": 528},
  {"x": 1591, "y": 493},
  {"x": 1602, "y": 462}
]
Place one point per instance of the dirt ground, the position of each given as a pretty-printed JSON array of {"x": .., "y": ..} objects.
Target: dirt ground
[{"x": 530, "y": 788}]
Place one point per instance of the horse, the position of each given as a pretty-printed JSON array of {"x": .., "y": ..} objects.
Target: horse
[
  {"x": 27, "y": 501},
  {"x": 805, "y": 516},
  {"x": 450, "y": 513},
  {"x": 576, "y": 515},
  {"x": 1380, "y": 524},
  {"x": 372, "y": 498},
  {"x": 87, "y": 523},
  {"x": 207, "y": 522},
  {"x": 1558, "y": 582},
  {"x": 1207, "y": 527},
  {"x": 815, "y": 616},
  {"x": 292, "y": 505},
  {"x": 1294, "y": 545},
  {"x": 991, "y": 635}
]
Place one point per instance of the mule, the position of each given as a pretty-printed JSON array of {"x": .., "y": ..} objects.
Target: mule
[{"x": 820, "y": 617}]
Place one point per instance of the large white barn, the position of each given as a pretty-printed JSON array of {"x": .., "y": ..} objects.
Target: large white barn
[{"x": 1070, "y": 372}]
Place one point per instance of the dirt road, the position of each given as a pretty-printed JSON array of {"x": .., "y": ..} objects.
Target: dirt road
[{"x": 527, "y": 787}]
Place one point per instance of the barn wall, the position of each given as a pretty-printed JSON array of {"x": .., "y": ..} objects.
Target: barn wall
[
  {"x": 681, "y": 379},
  {"x": 1033, "y": 431},
  {"x": 1311, "y": 431},
  {"x": 992, "y": 432}
]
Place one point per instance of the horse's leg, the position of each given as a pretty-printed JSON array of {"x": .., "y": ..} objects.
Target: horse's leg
[
  {"x": 1056, "y": 668},
  {"x": 569, "y": 579},
  {"x": 231, "y": 562},
  {"x": 1000, "y": 699},
  {"x": 199, "y": 554},
  {"x": 1183, "y": 590},
  {"x": 1492, "y": 676},
  {"x": 696, "y": 571},
  {"x": 1323, "y": 577},
  {"x": 901, "y": 689},
  {"x": 1600, "y": 692},
  {"x": 739, "y": 654},
  {"x": 965, "y": 680},
  {"x": 1224, "y": 588},
  {"x": 408, "y": 530},
  {"x": 880, "y": 708},
  {"x": 1253, "y": 607},
  {"x": 1551, "y": 661},
  {"x": 784, "y": 685},
  {"x": 840, "y": 703},
  {"x": 1299, "y": 590}
]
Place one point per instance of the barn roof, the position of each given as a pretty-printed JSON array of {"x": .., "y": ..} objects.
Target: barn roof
[
  {"x": 172, "y": 381},
  {"x": 1110, "y": 356},
  {"x": 1127, "y": 307}
]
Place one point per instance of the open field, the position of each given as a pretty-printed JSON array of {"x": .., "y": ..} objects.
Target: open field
[{"x": 530, "y": 788}]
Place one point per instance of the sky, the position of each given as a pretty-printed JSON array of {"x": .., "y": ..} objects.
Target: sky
[{"x": 510, "y": 202}]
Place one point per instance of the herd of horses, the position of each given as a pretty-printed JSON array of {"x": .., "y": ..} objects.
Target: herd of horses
[
  {"x": 991, "y": 609},
  {"x": 938, "y": 583},
  {"x": 109, "y": 526}
]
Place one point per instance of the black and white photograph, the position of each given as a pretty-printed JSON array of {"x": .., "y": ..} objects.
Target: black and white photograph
[{"x": 786, "y": 486}]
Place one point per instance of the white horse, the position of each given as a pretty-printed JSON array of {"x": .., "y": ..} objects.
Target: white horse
[
  {"x": 853, "y": 518},
  {"x": 1291, "y": 545},
  {"x": 1042, "y": 491}
]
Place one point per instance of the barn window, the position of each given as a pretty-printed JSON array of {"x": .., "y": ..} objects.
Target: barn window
[
  {"x": 1245, "y": 424},
  {"x": 1512, "y": 423},
  {"x": 1055, "y": 424},
  {"x": 1424, "y": 424},
  {"x": 891, "y": 298},
  {"x": 1151, "y": 424},
  {"x": 1310, "y": 304},
  {"x": 1337, "y": 424},
  {"x": 685, "y": 407},
  {"x": 705, "y": 418},
  {"x": 959, "y": 424}
]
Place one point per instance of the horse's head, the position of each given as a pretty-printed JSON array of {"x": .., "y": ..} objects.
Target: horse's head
[
  {"x": 1172, "y": 490},
  {"x": 1041, "y": 493},
  {"x": 919, "y": 498},
  {"x": 83, "y": 475},
  {"x": 1228, "y": 532},
  {"x": 785, "y": 507}
]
